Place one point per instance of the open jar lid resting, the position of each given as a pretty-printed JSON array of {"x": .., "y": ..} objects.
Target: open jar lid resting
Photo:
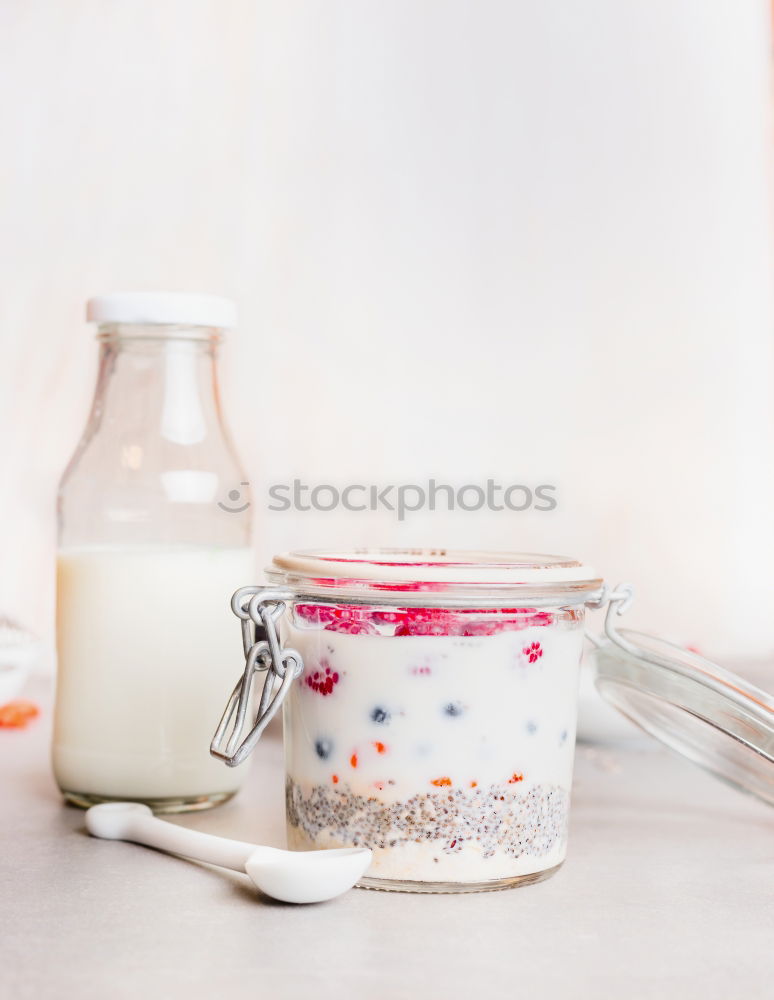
[{"x": 693, "y": 706}]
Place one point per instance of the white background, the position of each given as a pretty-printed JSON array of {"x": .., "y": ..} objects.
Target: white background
[{"x": 511, "y": 239}]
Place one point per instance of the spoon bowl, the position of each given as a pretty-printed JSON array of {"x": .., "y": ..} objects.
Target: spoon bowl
[{"x": 306, "y": 876}]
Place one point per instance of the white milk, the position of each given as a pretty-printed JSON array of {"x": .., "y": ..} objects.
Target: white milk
[
  {"x": 450, "y": 756},
  {"x": 147, "y": 648}
]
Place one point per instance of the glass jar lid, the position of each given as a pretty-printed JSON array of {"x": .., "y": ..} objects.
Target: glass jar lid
[
  {"x": 454, "y": 577},
  {"x": 707, "y": 714}
]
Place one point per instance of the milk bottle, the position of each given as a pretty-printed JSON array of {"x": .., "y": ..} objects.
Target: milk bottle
[{"x": 154, "y": 534}]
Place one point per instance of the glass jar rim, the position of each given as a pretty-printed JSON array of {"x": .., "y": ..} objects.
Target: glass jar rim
[{"x": 452, "y": 577}]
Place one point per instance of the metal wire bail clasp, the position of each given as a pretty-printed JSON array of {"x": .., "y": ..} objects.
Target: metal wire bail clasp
[
  {"x": 618, "y": 601},
  {"x": 259, "y": 609}
]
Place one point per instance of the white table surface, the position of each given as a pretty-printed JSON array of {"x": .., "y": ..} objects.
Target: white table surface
[{"x": 668, "y": 891}]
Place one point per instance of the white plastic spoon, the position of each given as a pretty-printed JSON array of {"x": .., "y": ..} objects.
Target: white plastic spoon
[{"x": 292, "y": 876}]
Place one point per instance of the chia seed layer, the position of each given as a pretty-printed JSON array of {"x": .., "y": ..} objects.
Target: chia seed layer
[{"x": 498, "y": 818}]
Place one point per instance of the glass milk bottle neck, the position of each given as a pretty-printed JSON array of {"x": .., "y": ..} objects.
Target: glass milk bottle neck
[
  {"x": 155, "y": 458},
  {"x": 161, "y": 380}
]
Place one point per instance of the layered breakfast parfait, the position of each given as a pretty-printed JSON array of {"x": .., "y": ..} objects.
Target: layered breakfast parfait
[{"x": 434, "y": 720}]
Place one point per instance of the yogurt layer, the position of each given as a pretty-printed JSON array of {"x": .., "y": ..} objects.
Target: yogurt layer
[{"x": 450, "y": 755}]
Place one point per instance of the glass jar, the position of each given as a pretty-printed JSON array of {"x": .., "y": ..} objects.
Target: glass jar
[
  {"x": 432, "y": 717},
  {"x": 154, "y": 526}
]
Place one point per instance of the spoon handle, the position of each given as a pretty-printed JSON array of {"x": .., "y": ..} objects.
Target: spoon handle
[{"x": 135, "y": 822}]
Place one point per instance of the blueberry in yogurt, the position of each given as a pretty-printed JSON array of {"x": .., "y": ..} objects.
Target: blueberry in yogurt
[
  {"x": 453, "y": 708},
  {"x": 324, "y": 748},
  {"x": 380, "y": 715}
]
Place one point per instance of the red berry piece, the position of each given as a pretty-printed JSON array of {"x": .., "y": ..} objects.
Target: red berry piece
[
  {"x": 323, "y": 680},
  {"x": 389, "y": 617},
  {"x": 352, "y": 620},
  {"x": 316, "y": 614},
  {"x": 424, "y": 628},
  {"x": 352, "y": 627},
  {"x": 533, "y": 652},
  {"x": 429, "y": 621}
]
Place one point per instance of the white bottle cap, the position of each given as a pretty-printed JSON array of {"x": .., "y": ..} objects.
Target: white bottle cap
[{"x": 178, "y": 308}]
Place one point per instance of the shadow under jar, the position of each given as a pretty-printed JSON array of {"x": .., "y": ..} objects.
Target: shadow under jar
[{"x": 432, "y": 714}]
